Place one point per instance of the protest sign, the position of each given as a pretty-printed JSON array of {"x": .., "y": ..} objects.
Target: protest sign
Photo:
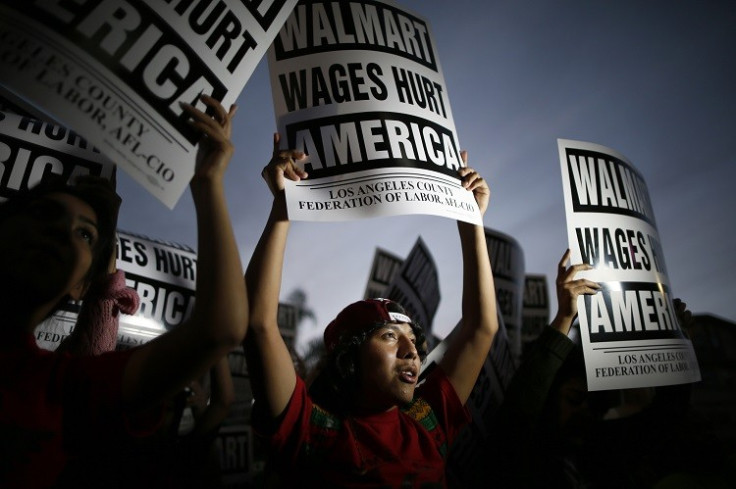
[
  {"x": 234, "y": 446},
  {"x": 535, "y": 310},
  {"x": 164, "y": 276},
  {"x": 31, "y": 149},
  {"x": 416, "y": 287},
  {"x": 359, "y": 88},
  {"x": 384, "y": 268},
  {"x": 630, "y": 333},
  {"x": 116, "y": 72},
  {"x": 288, "y": 320},
  {"x": 507, "y": 260}
]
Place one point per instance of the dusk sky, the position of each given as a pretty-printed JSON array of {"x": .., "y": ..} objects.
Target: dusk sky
[{"x": 652, "y": 80}]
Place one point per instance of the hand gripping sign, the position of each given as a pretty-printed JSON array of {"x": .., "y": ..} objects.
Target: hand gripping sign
[
  {"x": 358, "y": 87},
  {"x": 630, "y": 333}
]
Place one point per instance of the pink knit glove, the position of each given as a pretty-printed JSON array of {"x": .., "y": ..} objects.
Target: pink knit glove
[{"x": 96, "y": 331}]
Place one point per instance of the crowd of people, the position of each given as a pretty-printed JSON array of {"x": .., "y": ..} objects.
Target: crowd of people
[{"x": 71, "y": 417}]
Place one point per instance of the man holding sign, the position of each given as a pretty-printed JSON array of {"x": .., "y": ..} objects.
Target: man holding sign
[
  {"x": 364, "y": 422},
  {"x": 54, "y": 240}
]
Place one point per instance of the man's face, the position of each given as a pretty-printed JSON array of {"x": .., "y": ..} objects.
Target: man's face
[{"x": 389, "y": 365}]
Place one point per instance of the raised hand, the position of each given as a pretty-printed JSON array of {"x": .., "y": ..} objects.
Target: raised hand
[
  {"x": 568, "y": 290},
  {"x": 215, "y": 148},
  {"x": 472, "y": 181},
  {"x": 282, "y": 165}
]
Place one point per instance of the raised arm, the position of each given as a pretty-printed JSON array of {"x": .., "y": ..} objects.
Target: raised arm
[
  {"x": 270, "y": 366},
  {"x": 218, "y": 322},
  {"x": 464, "y": 357}
]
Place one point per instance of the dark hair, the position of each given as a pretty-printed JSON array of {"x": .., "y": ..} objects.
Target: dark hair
[
  {"x": 335, "y": 380},
  {"x": 99, "y": 193}
]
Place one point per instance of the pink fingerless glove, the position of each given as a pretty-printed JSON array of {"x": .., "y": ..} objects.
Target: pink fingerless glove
[{"x": 98, "y": 321}]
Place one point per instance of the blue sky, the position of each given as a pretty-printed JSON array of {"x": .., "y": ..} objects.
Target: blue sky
[{"x": 652, "y": 80}]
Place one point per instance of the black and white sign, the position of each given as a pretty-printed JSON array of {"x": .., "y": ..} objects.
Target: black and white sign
[
  {"x": 358, "y": 87},
  {"x": 631, "y": 335}
]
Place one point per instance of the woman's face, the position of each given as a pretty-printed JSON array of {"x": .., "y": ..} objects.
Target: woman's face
[
  {"x": 389, "y": 365},
  {"x": 48, "y": 246}
]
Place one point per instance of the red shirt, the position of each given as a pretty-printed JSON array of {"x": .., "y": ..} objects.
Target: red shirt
[
  {"x": 53, "y": 405},
  {"x": 400, "y": 448}
]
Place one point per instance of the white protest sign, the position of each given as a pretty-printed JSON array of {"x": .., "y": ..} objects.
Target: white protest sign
[
  {"x": 31, "y": 149},
  {"x": 116, "y": 72},
  {"x": 358, "y": 87},
  {"x": 631, "y": 335},
  {"x": 164, "y": 274}
]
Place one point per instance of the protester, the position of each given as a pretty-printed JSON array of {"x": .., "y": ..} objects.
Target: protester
[
  {"x": 546, "y": 411},
  {"x": 552, "y": 432},
  {"x": 55, "y": 241},
  {"x": 96, "y": 332},
  {"x": 381, "y": 430}
]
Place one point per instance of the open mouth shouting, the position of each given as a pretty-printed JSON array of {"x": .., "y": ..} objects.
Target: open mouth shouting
[{"x": 409, "y": 374}]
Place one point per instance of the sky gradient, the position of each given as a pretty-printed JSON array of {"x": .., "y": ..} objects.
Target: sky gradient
[{"x": 652, "y": 80}]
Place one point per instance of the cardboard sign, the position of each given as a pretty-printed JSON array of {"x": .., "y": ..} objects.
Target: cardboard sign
[
  {"x": 631, "y": 335},
  {"x": 416, "y": 287},
  {"x": 31, "y": 149},
  {"x": 535, "y": 311},
  {"x": 384, "y": 268},
  {"x": 358, "y": 87},
  {"x": 116, "y": 71},
  {"x": 507, "y": 261}
]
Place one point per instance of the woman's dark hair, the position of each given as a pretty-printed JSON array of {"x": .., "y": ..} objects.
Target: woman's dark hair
[
  {"x": 99, "y": 193},
  {"x": 335, "y": 380}
]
